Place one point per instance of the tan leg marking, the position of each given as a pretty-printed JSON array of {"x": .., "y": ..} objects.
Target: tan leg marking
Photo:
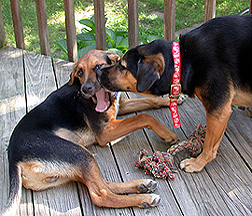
[
  {"x": 119, "y": 128},
  {"x": 133, "y": 186},
  {"x": 216, "y": 125},
  {"x": 103, "y": 196},
  {"x": 43, "y": 175}
]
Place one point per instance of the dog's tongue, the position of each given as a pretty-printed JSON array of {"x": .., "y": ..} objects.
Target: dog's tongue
[{"x": 102, "y": 101}]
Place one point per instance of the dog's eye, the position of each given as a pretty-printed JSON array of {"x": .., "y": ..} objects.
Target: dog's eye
[
  {"x": 80, "y": 73},
  {"x": 98, "y": 66}
]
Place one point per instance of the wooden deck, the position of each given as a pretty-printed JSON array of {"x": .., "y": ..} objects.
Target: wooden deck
[{"x": 224, "y": 187}]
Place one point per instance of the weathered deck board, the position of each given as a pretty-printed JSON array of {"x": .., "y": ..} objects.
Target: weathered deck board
[
  {"x": 13, "y": 107},
  {"x": 39, "y": 76},
  {"x": 62, "y": 71},
  {"x": 223, "y": 187}
]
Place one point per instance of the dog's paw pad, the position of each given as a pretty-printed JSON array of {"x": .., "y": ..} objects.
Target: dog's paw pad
[
  {"x": 149, "y": 187},
  {"x": 190, "y": 165},
  {"x": 154, "y": 202}
]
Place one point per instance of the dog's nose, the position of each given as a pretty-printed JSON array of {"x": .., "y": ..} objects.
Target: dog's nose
[{"x": 88, "y": 88}]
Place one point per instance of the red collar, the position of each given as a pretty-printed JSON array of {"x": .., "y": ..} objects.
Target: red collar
[{"x": 176, "y": 86}]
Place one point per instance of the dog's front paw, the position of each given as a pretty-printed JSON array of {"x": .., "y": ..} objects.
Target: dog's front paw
[
  {"x": 170, "y": 137},
  {"x": 166, "y": 100},
  {"x": 182, "y": 98},
  {"x": 153, "y": 201},
  {"x": 167, "y": 135},
  {"x": 192, "y": 165},
  {"x": 148, "y": 187}
]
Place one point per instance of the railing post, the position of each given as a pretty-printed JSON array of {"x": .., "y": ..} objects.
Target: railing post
[
  {"x": 2, "y": 31},
  {"x": 210, "y": 8},
  {"x": 70, "y": 31},
  {"x": 169, "y": 19},
  {"x": 133, "y": 23},
  {"x": 250, "y": 7},
  {"x": 100, "y": 34},
  {"x": 17, "y": 23},
  {"x": 42, "y": 27}
]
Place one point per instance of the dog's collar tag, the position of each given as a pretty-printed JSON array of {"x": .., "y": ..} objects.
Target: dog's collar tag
[{"x": 176, "y": 86}]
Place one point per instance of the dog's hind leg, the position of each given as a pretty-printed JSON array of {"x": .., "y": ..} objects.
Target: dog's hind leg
[
  {"x": 102, "y": 192},
  {"x": 80, "y": 165},
  {"x": 133, "y": 186}
]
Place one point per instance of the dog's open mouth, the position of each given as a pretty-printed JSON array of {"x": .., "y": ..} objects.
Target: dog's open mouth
[{"x": 102, "y": 101}]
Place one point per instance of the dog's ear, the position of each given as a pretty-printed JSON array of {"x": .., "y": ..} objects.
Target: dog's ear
[
  {"x": 150, "y": 68},
  {"x": 113, "y": 57},
  {"x": 72, "y": 75}
]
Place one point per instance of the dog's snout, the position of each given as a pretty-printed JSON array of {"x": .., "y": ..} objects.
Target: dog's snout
[{"x": 88, "y": 88}]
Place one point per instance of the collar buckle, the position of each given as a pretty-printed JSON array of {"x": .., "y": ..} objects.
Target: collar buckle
[{"x": 175, "y": 90}]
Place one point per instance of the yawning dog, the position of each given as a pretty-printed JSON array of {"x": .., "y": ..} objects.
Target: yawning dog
[{"x": 47, "y": 147}]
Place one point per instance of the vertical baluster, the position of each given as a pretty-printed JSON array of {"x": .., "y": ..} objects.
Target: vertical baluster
[
  {"x": 70, "y": 31},
  {"x": 17, "y": 23},
  {"x": 100, "y": 34},
  {"x": 169, "y": 19},
  {"x": 210, "y": 8},
  {"x": 133, "y": 23},
  {"x": 42, "y": 27}
]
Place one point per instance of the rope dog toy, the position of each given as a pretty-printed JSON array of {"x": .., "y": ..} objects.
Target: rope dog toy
[{"x": 161, "y": 164}]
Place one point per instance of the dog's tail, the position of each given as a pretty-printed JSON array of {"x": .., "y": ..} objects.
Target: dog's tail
[{"x": 15, "y": 191}]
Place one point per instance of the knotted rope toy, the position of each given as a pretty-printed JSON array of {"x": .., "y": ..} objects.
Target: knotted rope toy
[{"x": 161, "y": 164}]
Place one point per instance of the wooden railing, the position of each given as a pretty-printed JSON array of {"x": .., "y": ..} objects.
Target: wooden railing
[
  {"x": 169, "y": 24},
  {"x": 250, "y": 7}
]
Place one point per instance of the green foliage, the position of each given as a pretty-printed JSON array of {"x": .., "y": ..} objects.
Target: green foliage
[
  {"x": 116, "y": 41},
  {"x": 151, "y": 21}
]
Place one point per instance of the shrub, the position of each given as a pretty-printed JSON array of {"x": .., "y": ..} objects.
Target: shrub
[{"x": 116, "y": 41}]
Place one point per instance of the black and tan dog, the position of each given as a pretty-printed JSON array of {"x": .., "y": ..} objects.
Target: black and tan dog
[
  {"x": 47, "y": 147},
  {"x": 216, "y": 66}
]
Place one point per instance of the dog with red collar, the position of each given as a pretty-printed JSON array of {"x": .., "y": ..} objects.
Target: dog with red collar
[{"x": 216, "y": 66}]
